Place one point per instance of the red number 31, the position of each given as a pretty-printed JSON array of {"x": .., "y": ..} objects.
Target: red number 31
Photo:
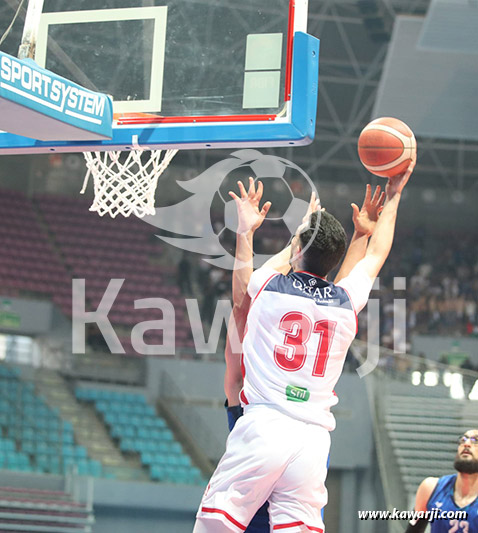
[{"x": 298, "y": 328}]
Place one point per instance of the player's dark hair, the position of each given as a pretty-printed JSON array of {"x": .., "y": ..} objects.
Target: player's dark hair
[{"x": 323, "y": 249}]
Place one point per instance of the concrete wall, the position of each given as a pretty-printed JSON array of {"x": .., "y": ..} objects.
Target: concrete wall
[{"x": 125, "y": 520}]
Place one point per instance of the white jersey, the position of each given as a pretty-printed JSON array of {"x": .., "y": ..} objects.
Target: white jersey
[{"x": 299, "y": 329}]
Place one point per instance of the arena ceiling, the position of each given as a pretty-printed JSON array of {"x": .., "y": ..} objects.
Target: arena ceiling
[{"x": 354, "y": 40}]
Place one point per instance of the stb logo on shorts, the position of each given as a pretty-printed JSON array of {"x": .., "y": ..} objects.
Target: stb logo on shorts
[{"x": 297, "y": 394}]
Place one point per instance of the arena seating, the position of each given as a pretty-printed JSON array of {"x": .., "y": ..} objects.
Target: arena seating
[
  {"x": 139, "y": 430},
  {"x": 33, "y": 436},
  {"x": 423, "y": 431},
  {"x": 42, "y": 511},
  {"x": 416, "y": 428},
  {"x": 99, "y": 249},
  {"x": 49, "y": 240},
  {"x": 28, "y": 263}
]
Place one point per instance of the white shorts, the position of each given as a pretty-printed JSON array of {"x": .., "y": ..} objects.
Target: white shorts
[{"x": 270, "y": 456}]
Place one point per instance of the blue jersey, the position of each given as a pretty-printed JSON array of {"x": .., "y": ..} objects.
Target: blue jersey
[{"x": 442, "y": 499}]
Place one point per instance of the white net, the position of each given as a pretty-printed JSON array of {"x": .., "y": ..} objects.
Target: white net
[{"x": 125, "y": 185}]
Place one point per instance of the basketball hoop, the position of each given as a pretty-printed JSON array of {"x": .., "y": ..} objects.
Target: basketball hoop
[{"x": 126, "y": 184}]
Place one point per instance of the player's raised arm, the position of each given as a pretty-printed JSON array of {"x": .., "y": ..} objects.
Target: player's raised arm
[
  {"x": 381, "y": 241},
  {"x": 250, "y": 217},
  {"x": 364, "y": 220}
]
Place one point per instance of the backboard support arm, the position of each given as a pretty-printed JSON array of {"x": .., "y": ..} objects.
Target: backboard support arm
[{"x": 29, "y": 37}]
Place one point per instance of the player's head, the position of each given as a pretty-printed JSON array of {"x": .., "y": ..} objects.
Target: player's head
[
  {"x": 318, "y": 250},
  {"x": 466, "y": 459}
]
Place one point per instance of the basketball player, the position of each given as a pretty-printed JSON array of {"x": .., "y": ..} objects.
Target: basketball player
[
  {"x": 251, "y": 218},
  {"x": 278, "y": 450},
  {"x": 456, "y": 492}
]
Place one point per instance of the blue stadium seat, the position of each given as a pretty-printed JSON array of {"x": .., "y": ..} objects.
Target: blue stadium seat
[
  {"x": 83, "y": 467},
  {"x": 170, "y": 472},
  {"x": 67, "y": 438},
  {"x": 95, "y": 468},
  {"x": 144, "y": 433},
  {"x": 184, "y": 460},
  {"x": 80, "y": 452},
  {"x": 167, "y": 434},
  {"x": 54, "y": 437},
  {"x": 110, "y": 418},
  {"x": 67, "y": 426},
  {"x": 127, "y": 445},
  {"x": 102, "y": 406},
  {"x": 29, "y": 446},
  {"x": 128, "y": 431},
  {"x": 80, "y": 394},
  {"x": 147, "y": 458},
  {"x": 159, "y": 423},
  {"x": 175, "y": 447},
  {"x": 7, "y": 445},
  {"x": 123, "y": 419},
  {"x": 196, "y": 475},
  {"x": 68, "y": 451},
  {"x": 149, "y": 410},
  {"x": 184, "y": 476},
  {"x": 157, "y": 473}
]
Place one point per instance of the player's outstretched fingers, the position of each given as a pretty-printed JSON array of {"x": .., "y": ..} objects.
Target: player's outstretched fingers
[
  {"x": 376, "y": 195},
  {"x": 242, "y": 189},
  {"x": 233, "y": 195},
  {"x": 265, "y": 209},
  {"x": 260, "y": 190},
  {"x": 252, "y": 188},
  {"x": 368, "y": 193}
]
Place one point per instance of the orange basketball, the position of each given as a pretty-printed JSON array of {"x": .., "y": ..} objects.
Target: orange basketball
[{"x": 386, "y": 146}]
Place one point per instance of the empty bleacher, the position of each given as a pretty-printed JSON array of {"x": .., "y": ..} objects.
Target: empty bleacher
[
  {"x": 99, "y": 249},
  {"x": 33, "y": 437},
  {"x": 42, "y": 511},
  {"x": 29, "y": 265},
  {"x": 416, "y": 429},
  {"x": 139, "y": 430},
  {"x": 424, "y": 432},
  {"x": 47, "y": 241}
]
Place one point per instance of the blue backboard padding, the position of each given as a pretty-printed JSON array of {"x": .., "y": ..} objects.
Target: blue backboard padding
[
  {"x": 24, "y": 83},
  {"x": 298, "y": 130}
]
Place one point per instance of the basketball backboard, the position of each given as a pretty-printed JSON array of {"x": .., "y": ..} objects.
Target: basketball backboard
[{"x": 184, "y": 73}]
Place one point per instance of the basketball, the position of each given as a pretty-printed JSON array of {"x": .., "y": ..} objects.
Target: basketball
[{"x": 386, "y": 146}]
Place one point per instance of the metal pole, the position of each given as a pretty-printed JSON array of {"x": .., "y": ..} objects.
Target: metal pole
[
  {"x": 30, "y": 30},
  {"x": 90, "y": 493}
]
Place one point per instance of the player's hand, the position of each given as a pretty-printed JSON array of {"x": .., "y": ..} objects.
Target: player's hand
[
  {"x": 248, "y": 213},
  {"x": 366, "y": 217},
  {"x": 314, "y": 205},
  {"x": 396, "y": 184}
]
